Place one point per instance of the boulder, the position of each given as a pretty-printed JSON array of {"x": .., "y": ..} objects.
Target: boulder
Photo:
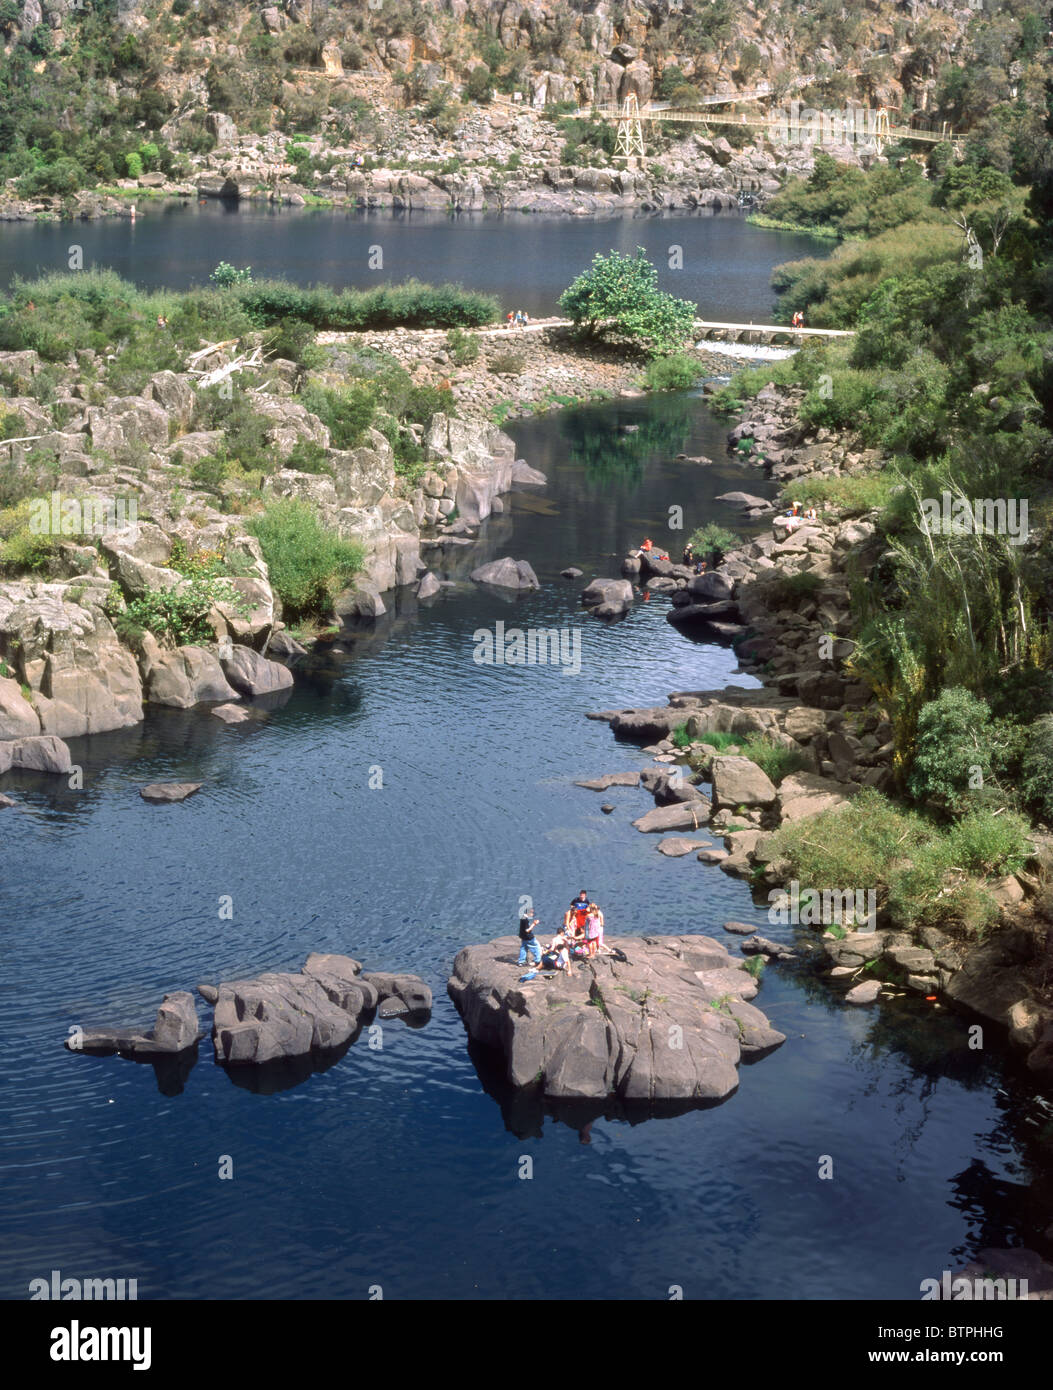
[
  {"x": 616, "y": 594},
  {"x": 251, "y": 674},
  {"x": 17, "y": 716},
  {"x": 803, "y": 794},
  {"x": 81, "y": 679},
  {"x": 230, "y": 714},
  {"x": 409, "y": 991},
  {"x": 183, "y": 677},
  {"x": 865, "y": 993},
  {"x": 685, "y": 815},
  {"x": 36, "y": 753},
  {"x": 429, "y": 586},
  {"x": 175, "y": 1029},
  {"x": 169, "y": 791},
  {"x": 665, "y": 1018},
  {"x": 676, "y": 846},
  {"x": 278, "y": 1016},
  {"x": 611, "y": 779},
  {"x": 989, "y": 979},
  {"x": 506, "y": 574},
  {"x": 126, "y": 421},
  {"x": 739, "y": 782}
]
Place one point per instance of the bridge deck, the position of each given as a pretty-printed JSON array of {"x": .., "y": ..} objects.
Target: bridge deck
[{"x": 707, "y": 324}]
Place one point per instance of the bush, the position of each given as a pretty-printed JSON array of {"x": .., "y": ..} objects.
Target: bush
[
  {"x": 788, "y": 590},
  {"x": 293, "y": 340},
  {"x": 346, "y": 411},
  {"x": 507, "y": 364},
  {"x": 985, "y": 842},
  {"x": 176, "y": 616},
  {"x": 308, "y": 457},
  {"x": 954, "y": 748},
  {"x": 712, "y": 542},
  {"x": 774, "y": 760},
  {"x": 677, "y": 372},
  {"x": 308, "y": 564},
  {"x": 225, "y": 274},
  {"x": 1036, "y": 768},
  {"x": 211, "y": 470},
  {"x": 134, "y": 165},
  {"x": 462, "y": 347},
  {"x": 479, "y": 84}
]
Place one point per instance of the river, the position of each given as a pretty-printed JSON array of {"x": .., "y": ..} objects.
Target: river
[{"x": 400, "y": 1167}]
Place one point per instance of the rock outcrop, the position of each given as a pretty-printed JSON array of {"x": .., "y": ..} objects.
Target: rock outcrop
[
  {"x": 175, "y": 1030},
  {"x": 667, "y": 1018},
  {"x": 280, "y": 1015}
]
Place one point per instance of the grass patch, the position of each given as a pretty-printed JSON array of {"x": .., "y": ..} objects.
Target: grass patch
[{"x": 309, "y": 565}]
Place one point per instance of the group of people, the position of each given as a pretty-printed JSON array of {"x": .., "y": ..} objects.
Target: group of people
[
  {"x": 519, "y": 319},
  {"x": 799, "y": 516},
  {"x": 648, "y": 547},
  {"x": 580, "y": 939},
  {"x": 798, "y": 319},
  {"x": 693, "y": 561}
]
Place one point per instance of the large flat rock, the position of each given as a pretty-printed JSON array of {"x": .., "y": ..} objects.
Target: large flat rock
[{"x": 669, "y": 1021}]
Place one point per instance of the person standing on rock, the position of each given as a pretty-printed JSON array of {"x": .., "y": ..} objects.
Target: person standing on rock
[
  {"x": 528, "y": 942},
  {"x": 577, "y": 912}
]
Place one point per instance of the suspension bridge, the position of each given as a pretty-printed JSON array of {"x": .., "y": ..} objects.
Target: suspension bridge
[{"x": 794, "y": 124}]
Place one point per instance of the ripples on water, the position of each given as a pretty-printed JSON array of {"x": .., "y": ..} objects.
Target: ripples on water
[{"x": 396, "y": 1167}]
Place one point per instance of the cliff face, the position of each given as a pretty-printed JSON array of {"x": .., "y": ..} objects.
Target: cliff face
[{"x": 884, "y": 51}]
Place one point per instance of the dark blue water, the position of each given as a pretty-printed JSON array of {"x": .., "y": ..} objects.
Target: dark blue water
[
  {"x": 400, "y": 1167},
  {"x": 527, "y": 260}
]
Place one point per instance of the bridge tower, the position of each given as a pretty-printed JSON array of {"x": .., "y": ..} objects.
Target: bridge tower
[
  {"x": 629, "y": 144},
  {"x": 882, "y": 133}
]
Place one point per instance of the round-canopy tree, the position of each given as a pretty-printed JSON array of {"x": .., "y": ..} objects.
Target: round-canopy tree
[{"x": 620, "y": 294}]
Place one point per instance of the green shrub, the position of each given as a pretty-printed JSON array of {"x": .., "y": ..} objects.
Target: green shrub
[
  {"x": 1036, "y": 768},
  {"x": 955, "y": 746},
  {"x": 308, "y": 564},
  {"x": 293, "y": 339},
  {"x": 134, "y": 165},
  {"x": 308, "y": 457},
  {"x": 347, "y": 411},
  {"x": 713, "y": 542},
  {"x": 179, "y": 617},
  {"x": 225, "y": 275},
  {"x": 245, "y": 433},
  {"x": 986, "y": 842},
  {"x": 774, "y": 760},
  {"x": 677, "y": 372},
  {"x": 462, "y": 347},
  {"x": 507, "y": 364},
  {"x": 788, "y": 590},
  {"x": 210, "y": 471}
]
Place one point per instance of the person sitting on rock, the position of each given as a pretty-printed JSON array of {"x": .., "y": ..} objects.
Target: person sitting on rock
[
  {"x": 528, "y": 942},
  {"x": 557, "y": 957}
]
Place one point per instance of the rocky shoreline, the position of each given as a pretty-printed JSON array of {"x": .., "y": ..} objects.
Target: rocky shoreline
[{"x": 795, "y": 638}]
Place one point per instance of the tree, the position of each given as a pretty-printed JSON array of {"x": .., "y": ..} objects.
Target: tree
[
  {"x": 478, "y": 86},
  {"x": 621, "y": 293}
]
